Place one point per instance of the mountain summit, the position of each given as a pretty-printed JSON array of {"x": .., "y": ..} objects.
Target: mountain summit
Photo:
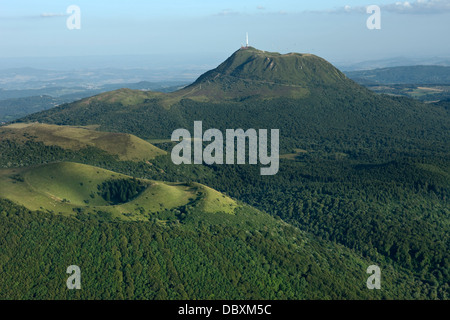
[
  {"x": 247, "y": 73},
  {"x": 250, "y": 72},
  {"x": 289, "y": 69}
]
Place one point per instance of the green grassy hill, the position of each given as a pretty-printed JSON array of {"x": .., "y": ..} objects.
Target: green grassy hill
[
  {"x": 67, "y": 188},
  {"x": 125, "y": 146},
  {"x": 125, "y": 96}
]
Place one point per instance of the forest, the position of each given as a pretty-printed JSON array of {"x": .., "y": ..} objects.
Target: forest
[
  {"x": 201, "y": 260},
  {"x": 395, "y": 209},
  {"x": 120, "y": 190}
]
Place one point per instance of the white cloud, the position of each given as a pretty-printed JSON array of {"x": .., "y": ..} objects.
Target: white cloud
[
  {"x": 52, "y": 15},
  {"x": 415, "y": 7},
  {"x": 419, "y": 6},
  {"x": 228, "y": 12}
]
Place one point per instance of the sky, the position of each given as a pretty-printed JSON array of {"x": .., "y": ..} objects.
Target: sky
[{"x": 191, "y": 32}]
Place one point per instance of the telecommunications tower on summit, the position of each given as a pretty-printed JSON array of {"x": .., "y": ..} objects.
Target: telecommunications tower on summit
[{"x": 246, "y": 42}]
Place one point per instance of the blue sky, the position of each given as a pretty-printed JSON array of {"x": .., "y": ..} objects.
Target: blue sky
[{"x": 335, "y": 30}]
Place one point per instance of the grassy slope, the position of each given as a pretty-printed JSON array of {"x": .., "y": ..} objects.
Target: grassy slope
[
  {"x": 217, "y": 202},
  {"x": 63, "y": 187},
  {"x": 125, "y": 146},
  {"x": 124, "y": 96}
]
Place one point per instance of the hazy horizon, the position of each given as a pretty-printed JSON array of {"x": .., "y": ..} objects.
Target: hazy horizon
[{"x": 201, "y": 34}]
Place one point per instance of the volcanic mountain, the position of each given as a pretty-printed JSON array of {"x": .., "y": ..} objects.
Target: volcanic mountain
[
  {"x": 302, "y": 94},
  {"x": 254, "y": 73},
  {"x": 247, "y": 73}
]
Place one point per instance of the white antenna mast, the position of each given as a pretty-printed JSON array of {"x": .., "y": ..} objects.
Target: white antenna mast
[{"x": 246, "y": 40}]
